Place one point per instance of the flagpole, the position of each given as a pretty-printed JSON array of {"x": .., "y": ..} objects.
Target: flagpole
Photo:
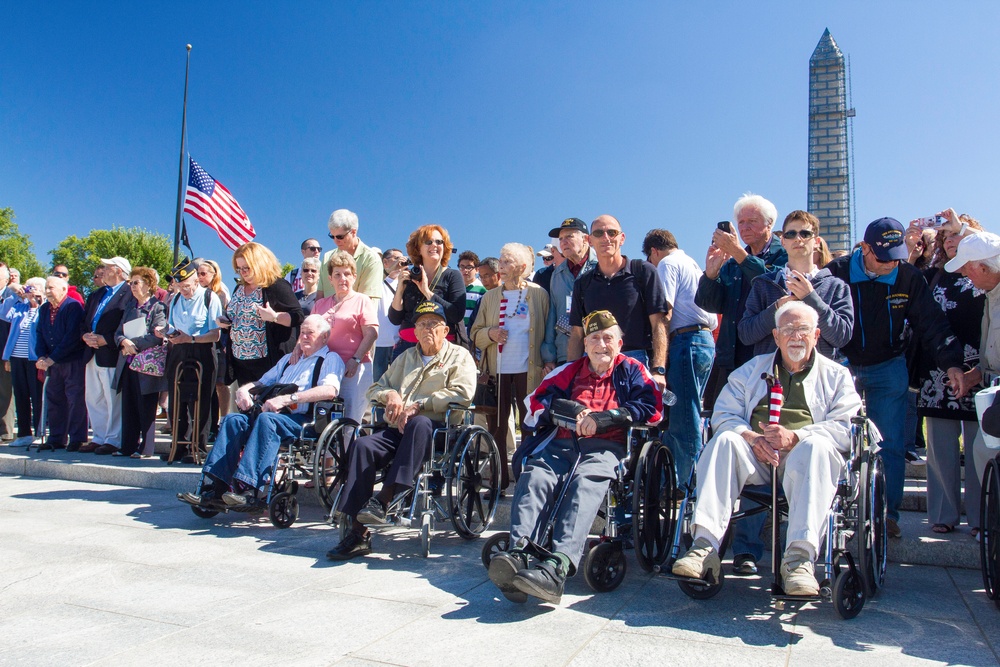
[{"x": 180, "y": 170}]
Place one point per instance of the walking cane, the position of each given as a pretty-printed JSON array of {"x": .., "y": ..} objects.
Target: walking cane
[
  {"x": 776, "y": 400},
  {"x": 43, "y": 416}
]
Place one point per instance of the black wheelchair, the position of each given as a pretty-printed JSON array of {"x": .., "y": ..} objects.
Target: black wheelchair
[
  {"x": 604, "y": 564},
  {"x": 294, "y": 463},
  {"x": 459, "y": 483},
  {"x": 989, "y": 535},
  {"x": 856, "y": 524}
]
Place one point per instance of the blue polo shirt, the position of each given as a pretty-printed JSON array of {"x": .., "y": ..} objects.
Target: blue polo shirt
[{"x": 190, "y": 316}]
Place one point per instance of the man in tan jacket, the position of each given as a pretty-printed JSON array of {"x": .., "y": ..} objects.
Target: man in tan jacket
[{"x": 416, "y": 391}]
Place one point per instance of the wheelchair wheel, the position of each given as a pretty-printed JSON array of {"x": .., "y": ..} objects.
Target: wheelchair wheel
[
  {"x": 989, "y": 536},
  {"x": 329, "y": 460},
  {"x": 473, "y": 490},
  {"x": 496, "y": 544},
  {"x": 872, "y": 516},
  {"x": 654, "y": 514},
  {"x": 604, "y": 567},
  {"x": 849, "y": 593},
  {"x": 425, "y": 535},
  {"x": 203, "y": 512},
  {"x": 702, "y": 591},
  {"x": 283, "y": 510}
]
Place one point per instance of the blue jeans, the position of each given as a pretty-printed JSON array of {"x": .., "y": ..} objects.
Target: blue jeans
[
  {"x": 259, "y": 446},
  {"x": 639, "y": 355},
  {"x": 688, "y": 366},
  {"x": 380, "y": 362},
  {"x": 885, "y": 388}
]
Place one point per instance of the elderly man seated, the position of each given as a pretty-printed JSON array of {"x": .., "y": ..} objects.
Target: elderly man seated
[
  {"x": 609, "y": 391},
  {"x": 317, "y": 375},
  {"x": 807, "y": 444},
  {"x": 416, "y": 391}
]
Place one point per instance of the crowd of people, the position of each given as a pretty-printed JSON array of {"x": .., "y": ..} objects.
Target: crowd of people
[{"x": 903, "y": 319}]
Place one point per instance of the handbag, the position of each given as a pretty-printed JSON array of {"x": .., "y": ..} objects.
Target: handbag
[
  {"x": 151, "y": 361},
  {"x": 486, "y": 387}
]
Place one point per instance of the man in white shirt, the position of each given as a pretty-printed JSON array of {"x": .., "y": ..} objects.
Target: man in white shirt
[
  {"x": 691, "y": 348},
  {"x": 393, "y": 261}
]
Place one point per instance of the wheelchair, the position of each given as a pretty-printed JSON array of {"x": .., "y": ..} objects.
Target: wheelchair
[
  {"x": 856, "y": 523},
  {"x": 294, "y": 462},
  {"x": 459, "y": 483},
  {"x": 604, "y": 563},
  {"x": 989, "y": 536}
]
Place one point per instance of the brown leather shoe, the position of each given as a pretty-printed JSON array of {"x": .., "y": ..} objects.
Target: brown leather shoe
[
  {"x": 89, "y": 447},
  {"x": 106, "y": 449}
]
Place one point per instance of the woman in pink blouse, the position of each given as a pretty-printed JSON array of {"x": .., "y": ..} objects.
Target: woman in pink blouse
[{"x": 353, "y": 319}]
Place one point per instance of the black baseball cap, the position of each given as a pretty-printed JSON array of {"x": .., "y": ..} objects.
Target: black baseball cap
[{"x": 569, "y": 223}]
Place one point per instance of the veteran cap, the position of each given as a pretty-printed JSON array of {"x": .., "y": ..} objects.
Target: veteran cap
[
  {"x": 429, "y": 308},
  {"x": 885, "y": 236},
  {"x": 599, "y": 320},
  {"x": 569, "y": 223},
  {"x": 183, "y": 269}
]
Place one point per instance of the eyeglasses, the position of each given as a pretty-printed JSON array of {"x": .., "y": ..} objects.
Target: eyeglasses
[
  {"x": 314, "y": 248},
  {"x": 803, "y": 234},
  {"x": 788, "y": 332},
  {"x": 430, "y": 242},
  {"x": 428, "y": 324},
  {"x": 60, "y": 274},
  {"x": 243, "y": 269},
  {"x": 310, "y": 271},
  {"x": 206, "y": 273},
  {"x": 601, "y": 233},
  {"x": 137, "y": 282},
  {"x": 340, "y": 237},
  {"x": 466, "y": 268}
]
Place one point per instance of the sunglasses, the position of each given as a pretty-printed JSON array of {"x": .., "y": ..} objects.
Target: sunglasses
[
  {"x": 337, "y": 237},
  {"x": 60, "y": 274},
  {"x": 243, "y": 269},
  {"x": 601, "y": 233},
  {"x": 430, "y": 242},
  {"x": 310, "y": 271},
  {"x": 800, "y": 234},
  {"x": 316, "y": 248}
]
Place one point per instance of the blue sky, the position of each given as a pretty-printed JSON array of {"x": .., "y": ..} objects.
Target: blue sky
[{"x": 496, "y": 119}]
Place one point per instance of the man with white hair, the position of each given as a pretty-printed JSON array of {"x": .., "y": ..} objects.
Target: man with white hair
[
  {"x": 246, "y": 448},
  {"x": 343, "y": 225},
  {"x": 102, "y": 315},
  {"x": 978, "y": 259},
  {"x": 60, "y": 355},
  {"x": 807, "y": 445}
]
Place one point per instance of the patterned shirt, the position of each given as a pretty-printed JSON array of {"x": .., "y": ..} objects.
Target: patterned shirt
[{"x": 247, "y": 335}]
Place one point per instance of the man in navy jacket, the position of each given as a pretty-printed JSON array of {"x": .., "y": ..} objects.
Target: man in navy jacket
[{"x": 60, "y": 355}]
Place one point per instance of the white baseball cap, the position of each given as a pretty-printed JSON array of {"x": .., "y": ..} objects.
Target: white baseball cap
[
  {"x": 974, "y": 248},
  {"x": 119, "y": 262}
]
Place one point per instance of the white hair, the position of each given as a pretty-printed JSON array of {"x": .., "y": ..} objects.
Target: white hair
[
  {"x": 320, "y": 322},
  {"x": 36, "y": 284},
  {"x": 312, "y": 263},
  {"x": 524, "y": 253},
  {"x": 991, "y": 264},
  {"x": 763, "y": 206},
  {"x": 343, "y": 219},
  {"x": 793, "y": 307}
]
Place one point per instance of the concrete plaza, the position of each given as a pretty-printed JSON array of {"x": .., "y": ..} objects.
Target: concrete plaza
[{"x": 111, "y": 575}]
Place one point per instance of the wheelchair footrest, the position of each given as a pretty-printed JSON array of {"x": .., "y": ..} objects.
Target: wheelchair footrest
[{"x": 689, "y": 580}]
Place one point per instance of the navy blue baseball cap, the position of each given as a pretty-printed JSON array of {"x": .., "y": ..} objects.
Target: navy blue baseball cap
[
  {"x": 885, "y": 236},
  {"x": 569, "y": 223},
  {"x": 429, "y": 308}
]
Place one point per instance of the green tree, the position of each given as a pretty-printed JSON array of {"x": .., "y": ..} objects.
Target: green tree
[
  {"x": 16, "y": 249},
  {"x": 286, "y": 268},
  {"x": 139, "y": 246}
]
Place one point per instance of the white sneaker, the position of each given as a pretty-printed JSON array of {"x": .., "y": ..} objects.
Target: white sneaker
[
  {"x": 701, "y": 561},
  {"x": 797, "y": 573}
]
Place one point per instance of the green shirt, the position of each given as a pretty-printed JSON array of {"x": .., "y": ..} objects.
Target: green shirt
[
  {"x": 795, "y": 410},
  {"x": 369, "y": 280}
]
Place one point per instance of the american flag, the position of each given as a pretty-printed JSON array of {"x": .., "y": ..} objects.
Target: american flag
[{"x": 210, "y": 202}]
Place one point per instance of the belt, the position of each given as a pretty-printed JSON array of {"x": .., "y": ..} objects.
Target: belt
[{"x": 693, "y": 327}]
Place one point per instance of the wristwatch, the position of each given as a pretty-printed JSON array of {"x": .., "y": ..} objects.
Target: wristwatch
[
  {"x": 356, "y": 360},
  {"x": 658, "y": 370},
  {"x": 294, "y": 398}
]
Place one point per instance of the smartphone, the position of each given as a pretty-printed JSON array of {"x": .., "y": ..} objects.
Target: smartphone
[
  {"x": 725, "y": 226},
  {"x": 173, "y": 334},
  {"x": 931, "y": 221}
]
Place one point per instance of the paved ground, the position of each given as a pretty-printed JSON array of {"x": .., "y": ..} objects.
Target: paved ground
[{"x": 100, "y": 574}]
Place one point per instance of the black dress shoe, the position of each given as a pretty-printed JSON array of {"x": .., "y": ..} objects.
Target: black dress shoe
[
  {"x": 45, "y": 446},
  {"x": 544, "y": 581},
  {"x": 104, "y": 450},
  {"x": 351, "y": 546},
  {"x": 74, "y": 446},
  {"x": 503, "y": 567}
]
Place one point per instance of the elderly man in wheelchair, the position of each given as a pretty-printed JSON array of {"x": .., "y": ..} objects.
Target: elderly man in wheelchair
[
  {"x": 417, "y": 390},
  {"x": 807, "y": 444},
  {"x": 247, "y": 446},
  {"x": 582, "y": 410}
]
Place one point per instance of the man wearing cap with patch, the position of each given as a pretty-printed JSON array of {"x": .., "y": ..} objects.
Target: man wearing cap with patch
[
  {"x": 579, "y": 258},
  {"x": 887, "y": 292},
  {"x": 978, "y": 259},
  {"x": 608, "y": 392},
  {"x": 417, "y": 390},
  {"x": 102, "y": 315}
]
